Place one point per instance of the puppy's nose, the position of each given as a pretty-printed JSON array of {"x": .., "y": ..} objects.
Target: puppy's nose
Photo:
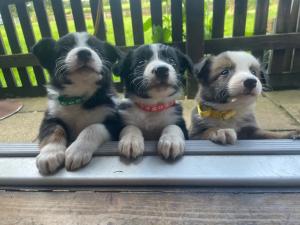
[
  {"x": 84, "y": 55},
  {"x": 250, "y": 83},
  {"x": 162, "y": 72}
]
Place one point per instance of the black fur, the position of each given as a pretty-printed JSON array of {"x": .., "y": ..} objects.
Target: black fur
[{"x": 134, "y": 63}]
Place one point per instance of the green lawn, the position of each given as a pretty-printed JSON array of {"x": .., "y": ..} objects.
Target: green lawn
[{"x": 128, "y": 32}]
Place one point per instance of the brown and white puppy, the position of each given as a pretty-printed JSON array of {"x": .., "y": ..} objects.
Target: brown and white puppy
[
  {"x": 229, "y": 86},
  {"x": 81, "y": 112},
  {"x": 153, "y": 76}
]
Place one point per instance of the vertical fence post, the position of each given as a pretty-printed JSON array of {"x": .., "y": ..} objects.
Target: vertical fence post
[
  {"x": 194, "y": 38},
  {"x": 277, "y": 59},
  {"x": 219, "y": 7},
  {"x": 296, "y": 58}
]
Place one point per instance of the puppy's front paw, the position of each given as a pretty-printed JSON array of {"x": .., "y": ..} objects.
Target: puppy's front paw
[
  {"x": 131, "y": 146},
  {"x": 171, "y": 146},
  {"x": 77, "y": 157},
  {"x": 223, "y": 136},
  {"x": 294, "y": 134},
  {"x": 51, "y": 158}
]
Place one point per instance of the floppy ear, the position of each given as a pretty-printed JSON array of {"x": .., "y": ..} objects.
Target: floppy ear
[
  {"x": 113, "y": 54},
  {"x": 45, "y": 52},
  {"x": 122, "y": 69},
  {"x": 202, "y": 69},
  {"x": 185, "y": 62}
]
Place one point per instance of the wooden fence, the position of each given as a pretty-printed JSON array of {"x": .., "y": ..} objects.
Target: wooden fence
[{"x": 283, "y": 45}]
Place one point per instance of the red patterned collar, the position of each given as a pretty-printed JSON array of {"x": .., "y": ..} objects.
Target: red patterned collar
[{"x": 156, "y": 107}]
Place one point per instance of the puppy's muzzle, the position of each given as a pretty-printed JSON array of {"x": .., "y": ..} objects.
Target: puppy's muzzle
[
  {"x": 250, "y": 84},
  {"x": 84, "y": 55},
  {"x": 161, "y": 73}
]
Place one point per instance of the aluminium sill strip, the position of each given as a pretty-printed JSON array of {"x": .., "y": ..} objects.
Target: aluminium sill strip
[{"x": 258, "y": 163}]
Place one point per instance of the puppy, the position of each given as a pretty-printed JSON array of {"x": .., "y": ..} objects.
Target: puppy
[
  {"x": 81, "y": 112},
  {"x": 226, "y": 100},
  {"x": 153, "y": 77}
]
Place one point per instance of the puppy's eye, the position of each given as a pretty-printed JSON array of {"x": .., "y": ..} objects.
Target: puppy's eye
[
  {"x": 172, "y": 61},
  {"x": 225, "y": 72},
  {"x": 253, "y": 72},
  {"x": 140, "y": 63}
]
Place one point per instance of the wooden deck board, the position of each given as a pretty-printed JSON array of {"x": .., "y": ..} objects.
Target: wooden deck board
[{"x": 135, "y": 208}]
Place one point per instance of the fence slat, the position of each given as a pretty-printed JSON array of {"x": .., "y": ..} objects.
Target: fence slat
[
  {"x": 194, "y": 38},
  {"x": 42, "y": 17},
  {"x": 14, "y": 43},
  {"x": 296, "y": 58},
  {"x": 77, "y": 11},
  {"x": 176, "y": 17},
  {"x": 261, "y": 22},
  {"x": 60, "y": 17},
  {"x": 277, "y": 59},
  {"x": 211, "y": 46},
  {"x": 29, "y": 38},
  {"x": 8, "y": 76},
  {"x": 218, "y": 18},
  {"x": 94, "y": 4},
  {"x": 156, "y": 15},
  {"x": 240, "y": 15},
  {"x": 292, "y": 25},
  {"x": 257, "y": 42},
  {"x": 137, "y": 21},
  {"x": 117, "y": 19}
]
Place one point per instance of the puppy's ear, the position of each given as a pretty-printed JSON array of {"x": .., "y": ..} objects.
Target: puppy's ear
[
  {"x": 202, "y": 69},
  {"x": 112, "y": 53},
  {"x": 45, "y": 52},
  {"x": 185, "y": 62},
  {"x": 122, "y": 69}
]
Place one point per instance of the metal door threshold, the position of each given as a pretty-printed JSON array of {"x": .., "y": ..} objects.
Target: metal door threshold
[{"x": 264, "y": 163}]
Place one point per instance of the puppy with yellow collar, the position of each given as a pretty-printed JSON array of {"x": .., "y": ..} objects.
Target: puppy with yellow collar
[{"x": 229, "y": 87}]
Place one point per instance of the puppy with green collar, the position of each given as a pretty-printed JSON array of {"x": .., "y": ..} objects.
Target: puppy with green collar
[{"x": 225, "y": 111}]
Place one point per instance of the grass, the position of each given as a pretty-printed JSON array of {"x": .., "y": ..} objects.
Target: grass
[{"x": 128, "y": 31}]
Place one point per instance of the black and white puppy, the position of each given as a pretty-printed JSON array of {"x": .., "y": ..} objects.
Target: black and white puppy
[
  {"x": 81, "y": 112},
  {"x": 153, "y": 76},
  {"x": 225, "y": 112}
]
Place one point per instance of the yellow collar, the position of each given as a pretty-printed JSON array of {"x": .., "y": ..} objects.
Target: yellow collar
[{"x": 210, "y": 112}]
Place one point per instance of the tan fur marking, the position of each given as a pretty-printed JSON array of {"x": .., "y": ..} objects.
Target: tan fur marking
[
  {"x": 207, "y": 133},
  {"x": 220, "y": 63},
  {"x": 58, "y": 136}
]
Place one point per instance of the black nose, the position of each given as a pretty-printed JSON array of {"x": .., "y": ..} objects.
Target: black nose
[
  {"x": 162, "y": 72},
  {"x": 250, "y": 83},
  {"x": 84, "y": 55}
]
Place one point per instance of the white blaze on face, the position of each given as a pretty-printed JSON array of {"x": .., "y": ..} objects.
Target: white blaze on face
[
  {"x": 156, "y": 62},
  {"x": 243, "y": 62},
  {"x": 72, "y": 61}
]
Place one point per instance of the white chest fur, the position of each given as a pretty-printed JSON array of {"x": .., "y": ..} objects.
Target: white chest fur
[
  {"x": 76, "y": 117},
  {"x": 151, "y": 123}
]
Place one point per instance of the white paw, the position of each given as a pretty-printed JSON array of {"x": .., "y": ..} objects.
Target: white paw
[
  {"x": 224, "y": 136},
  {"x": 51, "y": 158},
  {"x": 131, "y": 146},
  {"x": 171, "y": 146},
  {"x": 295, "y": 134},
  {"x": 77, "y": 157}
]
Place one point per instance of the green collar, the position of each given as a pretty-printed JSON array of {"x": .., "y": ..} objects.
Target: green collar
[{"x": 64, "y": 100}]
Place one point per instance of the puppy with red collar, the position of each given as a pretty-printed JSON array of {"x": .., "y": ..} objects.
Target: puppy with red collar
[
  {"x": 153, "y": 80},
  {"x": 229, "y": 86}
]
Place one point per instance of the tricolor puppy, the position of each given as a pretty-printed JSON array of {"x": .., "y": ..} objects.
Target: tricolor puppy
[
  {"x": 153, "y": 77},
  {"x": 229, "y": 86},
  {"x": 81, "y": 112}
]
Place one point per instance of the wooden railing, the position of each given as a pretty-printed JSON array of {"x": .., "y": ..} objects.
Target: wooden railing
[{"x": 283, "y": 44}]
